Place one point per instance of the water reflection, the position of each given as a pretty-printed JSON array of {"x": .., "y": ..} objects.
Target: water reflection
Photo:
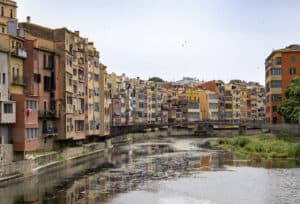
[{"x": 127, "y": 170}]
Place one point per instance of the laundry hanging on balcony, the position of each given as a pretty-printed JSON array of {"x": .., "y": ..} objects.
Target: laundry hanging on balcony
[{"x": 28, "y": 111}]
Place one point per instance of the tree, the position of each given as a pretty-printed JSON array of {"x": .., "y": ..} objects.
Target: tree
[
  {"x": 236, "y": 81},
  {"x": 156, "y": 79},
  {"x": 290, "y": 109}
]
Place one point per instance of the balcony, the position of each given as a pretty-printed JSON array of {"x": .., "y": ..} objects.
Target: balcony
[
  {"x": 18, "y": 80},
  {"x": 49, "y": 66},
  {"x": 19, "y": 52},
  {"x": 48, "y": 114},
  {"x": 7, "y": 112},
  {"x": 50, "y": 132}
]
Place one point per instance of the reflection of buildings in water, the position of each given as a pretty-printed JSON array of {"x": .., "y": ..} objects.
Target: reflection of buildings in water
[
  {"x": 89, "y": 189},
  {"x": 132, "y": 171}
]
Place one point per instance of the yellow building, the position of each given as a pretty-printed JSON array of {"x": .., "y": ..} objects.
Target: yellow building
[
  {"x": 228, "y": 100},
  {"x": 8, "y": 12},
  {"x": 105, "y": 102},
  {"x": 213, "y": 104},
  {"x": 93, "y": 91},
  {"x": 199, "y": 95},
  {"x": 236, "y": 101}
]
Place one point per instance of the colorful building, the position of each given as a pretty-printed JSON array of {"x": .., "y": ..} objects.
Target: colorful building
[{"x": 281, "y": 67}]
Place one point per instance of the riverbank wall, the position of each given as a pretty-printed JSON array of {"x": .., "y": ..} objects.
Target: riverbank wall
[{"x": 34, "y": 165}]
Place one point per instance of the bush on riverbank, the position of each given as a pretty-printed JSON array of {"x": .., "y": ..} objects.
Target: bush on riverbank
[{"x": 262, "y": 145}]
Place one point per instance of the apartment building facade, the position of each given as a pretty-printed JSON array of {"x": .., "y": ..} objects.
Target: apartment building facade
[
  {"x": 105, "y": 102},
  {"x": 7, "y": 106},
  {"x": 93, "y": 90},
  {"x": 77, "y": 97},
  {"x": 281, "y": 67}
]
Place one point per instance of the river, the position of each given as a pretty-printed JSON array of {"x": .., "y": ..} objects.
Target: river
[{"x": 164, "y": 171}]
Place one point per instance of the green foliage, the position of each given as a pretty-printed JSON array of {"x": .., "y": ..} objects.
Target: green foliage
[
  {"x": 260, "y": 146},
  {"x": 60, "y": 158},
  {"x": 156, "y": 79},
  {"x": 236, "y": 81},
  {"x": 290, "y": 109}
]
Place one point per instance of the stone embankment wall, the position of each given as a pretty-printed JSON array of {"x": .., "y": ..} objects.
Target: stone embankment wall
[
  {"x": 293, "y": 130},
  {"x": 6, "y": 153},
  {"x": 26, "y": 167}
]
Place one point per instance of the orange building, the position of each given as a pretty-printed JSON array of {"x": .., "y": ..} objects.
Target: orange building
[{"x": 281, "y": 67}]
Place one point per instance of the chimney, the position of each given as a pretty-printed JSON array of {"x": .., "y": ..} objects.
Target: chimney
[{"x": 28, "y": 19}]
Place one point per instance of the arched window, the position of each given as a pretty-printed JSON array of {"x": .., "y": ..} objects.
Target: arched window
[
  {"x": 2, "y": 11},
  {"x": 11, "y": 13}
]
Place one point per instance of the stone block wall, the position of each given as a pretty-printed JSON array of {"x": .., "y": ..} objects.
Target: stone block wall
[{"x": 6, "y": 153}]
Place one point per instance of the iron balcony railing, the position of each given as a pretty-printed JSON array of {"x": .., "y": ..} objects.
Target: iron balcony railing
[{"x": 50, "y": 131}]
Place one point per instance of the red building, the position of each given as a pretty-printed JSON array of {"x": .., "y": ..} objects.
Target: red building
[{"x": 281, "y": 67}]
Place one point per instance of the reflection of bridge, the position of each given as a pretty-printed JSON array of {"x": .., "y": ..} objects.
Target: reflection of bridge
[{"x": 242, "y": 126}]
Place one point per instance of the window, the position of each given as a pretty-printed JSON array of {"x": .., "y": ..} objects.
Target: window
[
  {"x": 11, "y": 13},
  {"x": 293, "y": 59},
  {"x": 228, "y": 106},
  {"x": 3, "y": 29},
  {"x": 228, "y": 114},
  {"x": 45, "y": 106},
  {"x": 79, "y": 125},
  {"x": 96, "y": 77},
  {"x": 44, "y": 60},
  {"x": 97, "y": 91},
  {"x": 213, "y": 106},
  {"x": 92, "y": 125},
  {"x": 31, "y": 105},
  {"x": 140, "y": 114},
  {"x": 75, "y": 89},
  {"x": 276, "y": 97},
  {"x": 274, "y": 109},
  {"x": 276, "y": 84},
  {"x": 75, "y": 71},
  {"x": 31, "y": 133},
  {"x": 2, "y": 11},
  {"x": 276, "y": 71},
  {"x": 141, "y": 104},
  {"x": 69, "y": 60},
  {"x": 97, "y": 107},
  {"x": 278, "y": 60},
  {"x": 47, "y": 83},
  {"x": 69, "y": 78},
  {"x": 50, "y": 61},
  {"x": 213, "y": 96},
  {"x": 90, "y": 93},
  {"x": 37, "y": 78},
  {"x": 8, "y": 108},
  {"x": 292, "y": 70},
  {"x": 214, "y": 114},
  {"x": 3, "y": 78},
  {"x": 69, "y": 100}
]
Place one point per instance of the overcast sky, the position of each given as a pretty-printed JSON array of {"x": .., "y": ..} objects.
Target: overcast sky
[{"x": 207, "y": 39}]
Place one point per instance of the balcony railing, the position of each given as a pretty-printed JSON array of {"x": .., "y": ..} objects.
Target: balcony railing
[
  {"x": 18, "y": 81},
  {"x": 50, "y": 131},
  {"x": 19, "y": 52},
  {"x": 48, "y": 114}
]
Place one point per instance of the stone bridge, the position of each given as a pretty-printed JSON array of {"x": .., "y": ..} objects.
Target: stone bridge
[
  {"x": 207, "y": 127},
  {"x": 201, "y": 127}
]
